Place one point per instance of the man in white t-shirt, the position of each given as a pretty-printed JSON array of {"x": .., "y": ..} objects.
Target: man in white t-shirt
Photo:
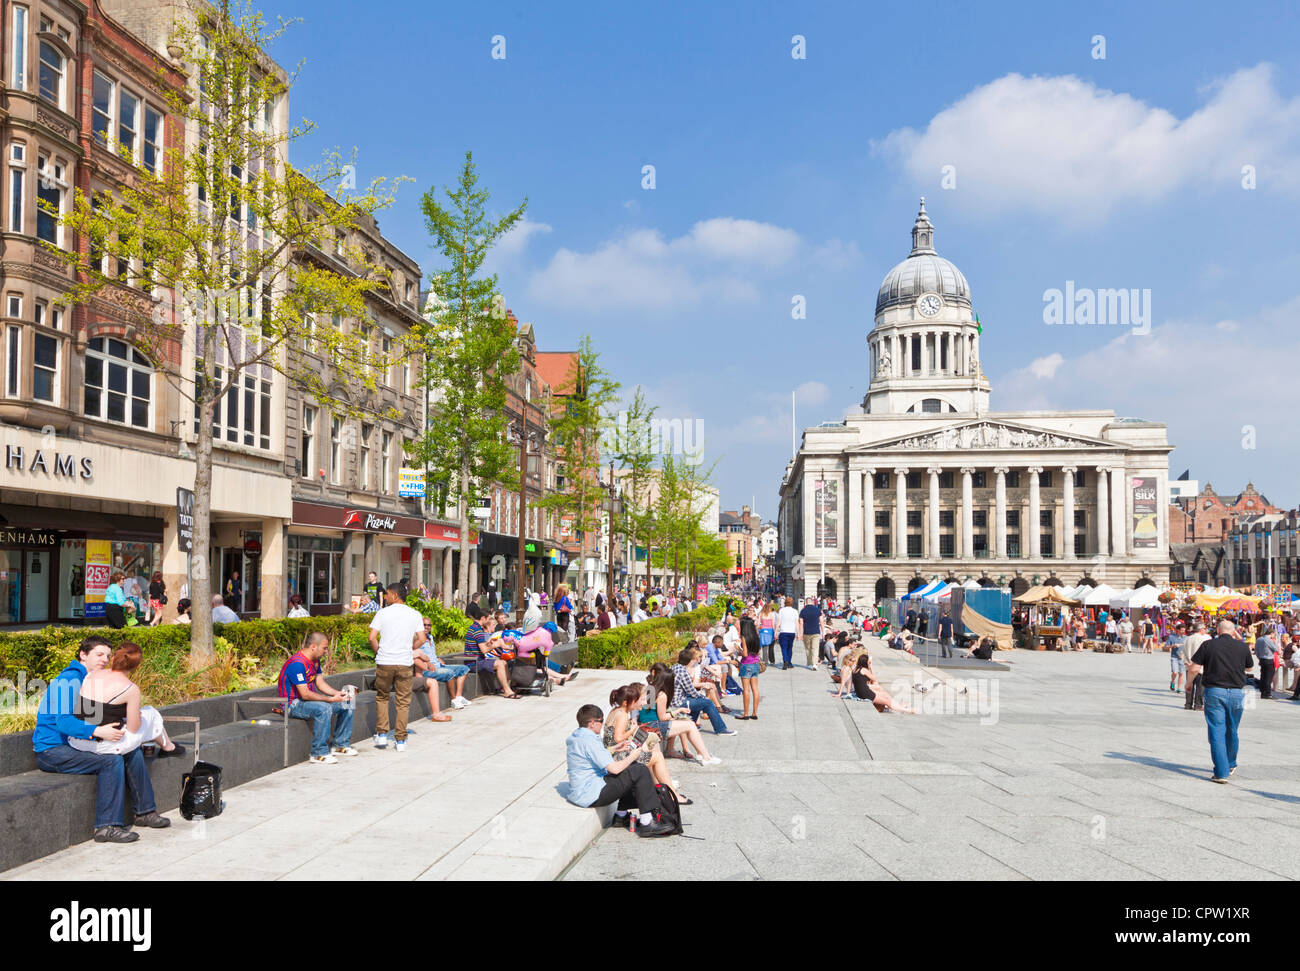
[
  {"x": 395, "y": 633},
  {"x": 788, "y": 627},
  {"x": 1126, "y": 634}
]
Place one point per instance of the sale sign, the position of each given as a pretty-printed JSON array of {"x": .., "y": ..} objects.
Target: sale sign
[{"x": 99, "y": 566}]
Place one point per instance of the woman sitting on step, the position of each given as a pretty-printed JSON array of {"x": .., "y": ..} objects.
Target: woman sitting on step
[{"x": 110, "y": 697}]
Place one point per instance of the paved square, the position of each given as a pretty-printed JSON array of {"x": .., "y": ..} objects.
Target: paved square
[{"x": 1065, "y": 767}]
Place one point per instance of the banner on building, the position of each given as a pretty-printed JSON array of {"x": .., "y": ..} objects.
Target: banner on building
[
  {"x": 99, "y": 566},
  {"x": 410, "y": 483},
  {"x": 1146, "y": 509},
  {"x": 826, "y": 511}
]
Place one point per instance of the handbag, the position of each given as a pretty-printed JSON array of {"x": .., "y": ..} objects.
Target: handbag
[{"x": 762, "y": 666}]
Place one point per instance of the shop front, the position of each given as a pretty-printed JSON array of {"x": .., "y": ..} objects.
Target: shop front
[
  {"x": 499, "y": 564},
  {"x": 72, "y": 513},
  {"x": 331, "y": 549}
]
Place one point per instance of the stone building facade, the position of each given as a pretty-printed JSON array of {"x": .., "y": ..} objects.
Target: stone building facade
[{"x": 928, "y": 483}]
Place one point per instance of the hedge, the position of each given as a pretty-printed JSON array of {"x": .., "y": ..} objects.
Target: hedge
[
  {"x": 636, "y": 646},
  {"x": 249, "y": 654}
]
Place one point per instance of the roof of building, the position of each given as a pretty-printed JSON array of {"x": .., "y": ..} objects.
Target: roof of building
[
  {"x": 924, "y": 271},
  {"x": 556, "y": 369}
]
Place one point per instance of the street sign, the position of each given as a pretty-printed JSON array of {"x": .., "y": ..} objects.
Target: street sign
[{"x": 184, "y": 520}]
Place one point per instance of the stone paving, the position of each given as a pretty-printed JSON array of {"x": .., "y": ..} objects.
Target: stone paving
[
  {"x": 1066, "y": 767},
  {"x": 475, "y": 798}
]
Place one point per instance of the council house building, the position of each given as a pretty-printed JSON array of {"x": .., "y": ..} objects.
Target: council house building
[{"x": 928, "y": 482}]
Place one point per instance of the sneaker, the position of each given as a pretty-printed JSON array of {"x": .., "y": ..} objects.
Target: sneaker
[
  {"x": 325, "y": 759},
  {"x": 348, "y": 750},
  {"x": 459, "y": 702},
  {"x": 381, "y": 741},
  {"x": 729, "y": 731},
  {"x": 713, "y": 761},
  {"x": 115, "y": 834},
  {"x": 1215, "y": 778},
  {"x": 1232, "y": 771},
  {"x": 152, "y": 820},
  {"x": 399, "y": 746},
  {"x": 657, "y": 828}
]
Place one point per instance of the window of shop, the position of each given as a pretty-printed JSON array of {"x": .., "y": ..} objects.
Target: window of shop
[
  {"x": 316, "y": 570},
  {"x": 80, "y": 590}
]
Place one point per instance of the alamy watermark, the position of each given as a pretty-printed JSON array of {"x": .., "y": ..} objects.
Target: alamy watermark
[
  {"x": 659, "y": 436},
  {"x": 1084, "y": 305}
]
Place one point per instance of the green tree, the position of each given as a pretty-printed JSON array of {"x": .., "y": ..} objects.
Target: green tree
[
  {"x": 220, "y": 237},
  {"x": 711, "y": 555},
  {"x": 631, "y": 447},
  {"x": 577, "y": 428},
  {"x": 470, "y": 350}
]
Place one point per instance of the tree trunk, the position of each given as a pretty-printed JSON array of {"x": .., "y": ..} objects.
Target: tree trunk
[
  {"x": 462, "y": 572},
  {"x": 202, "y": 652}
]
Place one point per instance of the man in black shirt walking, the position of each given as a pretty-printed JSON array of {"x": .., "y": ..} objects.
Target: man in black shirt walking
[{"x": 1223, "y": 662}]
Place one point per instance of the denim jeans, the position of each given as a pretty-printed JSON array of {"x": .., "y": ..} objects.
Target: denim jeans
[
  {"x": 112, "y": 772},
  {"x": 698, "y": 705},
  {"x": 1223, "y": 707},
  {"x": 321, "y": 714},
  {"x": 787, "y": 647}
]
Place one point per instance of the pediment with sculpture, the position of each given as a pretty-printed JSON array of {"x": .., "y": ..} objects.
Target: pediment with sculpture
[{"x": 986, "y": 435}]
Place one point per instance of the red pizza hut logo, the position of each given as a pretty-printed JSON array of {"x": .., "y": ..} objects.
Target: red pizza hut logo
[{"x": 371, "y": 521}]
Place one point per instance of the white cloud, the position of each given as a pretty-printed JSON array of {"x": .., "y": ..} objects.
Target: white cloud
[
  {"x": 1227, "y": 326},
  {"x": 1046, "y": 367},
  {"x": 719, "y": 259},
  {"x": 1205, "y": 382},
  {"x": 511, "y": 247},
  {"x": 1066, "y": 148}
]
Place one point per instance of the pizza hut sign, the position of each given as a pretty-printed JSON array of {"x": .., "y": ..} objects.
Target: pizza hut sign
[{"x": 354, "y": 519}]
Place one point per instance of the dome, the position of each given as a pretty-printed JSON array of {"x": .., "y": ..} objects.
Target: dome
[{"x": 924, "y": 271}]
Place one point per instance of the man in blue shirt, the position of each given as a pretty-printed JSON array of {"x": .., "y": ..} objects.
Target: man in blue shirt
[
  {"x": 596, "y": 779},
  {"x": 945, "y": 634},
  {"x": 810, "y": 630},
  {"x": 56, "y": 722}
]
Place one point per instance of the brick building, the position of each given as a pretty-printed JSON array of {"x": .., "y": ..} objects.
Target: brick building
[{"x": 1208, "y": 517}]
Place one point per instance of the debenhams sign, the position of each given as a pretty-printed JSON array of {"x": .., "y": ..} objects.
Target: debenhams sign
[{"x": 53, "y": 463}]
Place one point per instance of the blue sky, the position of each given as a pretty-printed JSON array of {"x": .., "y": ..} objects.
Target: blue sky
[{"x": 777, "y": 177}]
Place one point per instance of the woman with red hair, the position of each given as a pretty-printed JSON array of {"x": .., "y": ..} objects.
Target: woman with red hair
[{"x": 110, "y": 697}]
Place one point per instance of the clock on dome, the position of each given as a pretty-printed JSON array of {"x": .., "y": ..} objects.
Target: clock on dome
[{"x": 929, "y": 304}]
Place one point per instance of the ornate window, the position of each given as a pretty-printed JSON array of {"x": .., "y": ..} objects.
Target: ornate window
[{"x": 119, "y": 383}]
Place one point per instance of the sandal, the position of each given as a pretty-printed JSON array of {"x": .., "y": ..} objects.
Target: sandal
[
  {"x": 512, "y": 697},
  {"x": 683, "y": 801}
]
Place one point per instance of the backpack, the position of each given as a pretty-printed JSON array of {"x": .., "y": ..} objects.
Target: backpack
[{"x": 669, "y": 810}]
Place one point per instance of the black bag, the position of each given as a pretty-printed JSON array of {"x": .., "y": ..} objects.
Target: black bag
[
  {"x": 522, "y": 675},
  {"x": 669, "y": 811},
  {"x": 1195, "y": 693},
  {"x": 201, "y": 791}
]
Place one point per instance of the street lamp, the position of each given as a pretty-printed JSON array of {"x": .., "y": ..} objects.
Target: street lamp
[{"x": 613, "y": 506}]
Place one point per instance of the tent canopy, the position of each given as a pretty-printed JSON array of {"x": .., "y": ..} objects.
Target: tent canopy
[
  {"x": 920, "y": 592},
  {"x": 1099, "y": 596},
  {"x": 1044, "y": 594},
  {"x": 1144, "y": 597}
]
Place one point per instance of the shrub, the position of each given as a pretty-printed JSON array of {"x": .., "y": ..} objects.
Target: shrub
[
  {"x": 247, "y": 654},
  {"x": 448, "y": 622},
  {"x": 636, "y": 646}
]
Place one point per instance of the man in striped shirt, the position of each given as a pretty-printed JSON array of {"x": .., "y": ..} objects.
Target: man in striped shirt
[{"x": 483, "y": 659}]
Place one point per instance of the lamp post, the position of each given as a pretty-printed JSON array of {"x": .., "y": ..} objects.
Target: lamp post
[{"x": 614, "y": 507}]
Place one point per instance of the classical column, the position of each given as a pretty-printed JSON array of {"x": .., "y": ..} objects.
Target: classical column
[
  {"x": 855, "y": 512},
  {"x": 1035, "y": 530},
  {"x": 900, "y": 514},
  {"x": 967, "y": 518},
  {"x": 273, "y": 595},
  {"x": 934, "y": 513},
  {"x": 1068, "y": 526},
  {"x": 1118, "y": 529},
  {"x": 869, "y": 511},
  {"x": 1103, "y": 511},
  {"x": 1000, "y": 518}
]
